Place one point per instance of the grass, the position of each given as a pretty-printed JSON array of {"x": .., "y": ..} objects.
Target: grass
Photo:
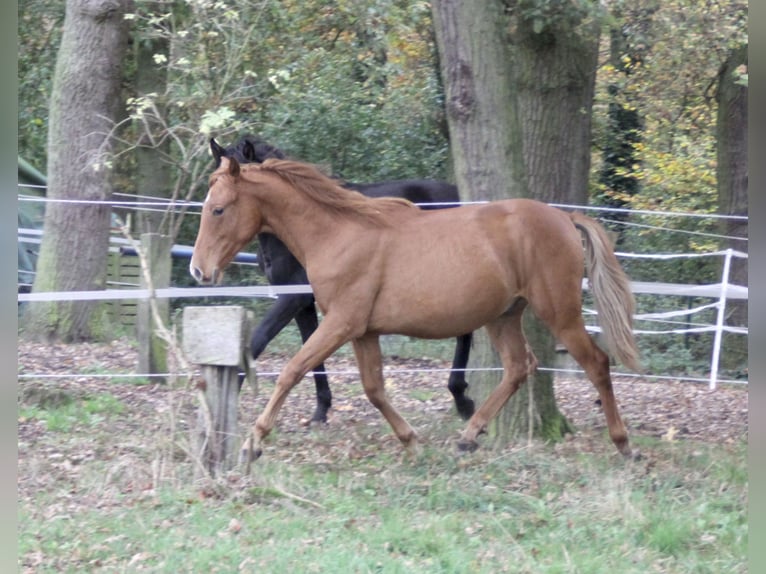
[
  {"x": 524, "y": 510},
  {"x": 107, "y": 487},
  {"x": 98, "y": 368},
  {"x": 66, "y": 412}
]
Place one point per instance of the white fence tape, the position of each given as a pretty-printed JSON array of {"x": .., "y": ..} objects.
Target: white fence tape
[{"x": 722, "y": 291}]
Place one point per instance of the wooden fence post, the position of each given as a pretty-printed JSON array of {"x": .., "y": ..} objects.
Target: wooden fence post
[
  {"x": 215, "y": 338},
  {"x": 152, "y": 350}
]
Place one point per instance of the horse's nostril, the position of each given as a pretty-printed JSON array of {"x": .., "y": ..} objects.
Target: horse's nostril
[{"x": 195, "y": 272}]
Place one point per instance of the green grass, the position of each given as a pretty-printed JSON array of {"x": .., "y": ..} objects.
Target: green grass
[
  {"x": 535, "y": 511},
  {"x": 114, "y": 378},
  {"x": 67, "y": 412}
]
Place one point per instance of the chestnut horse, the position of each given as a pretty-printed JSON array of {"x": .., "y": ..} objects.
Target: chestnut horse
[
  {"x": 281, "y": 268},
  {"x": 381, "y": 266}
]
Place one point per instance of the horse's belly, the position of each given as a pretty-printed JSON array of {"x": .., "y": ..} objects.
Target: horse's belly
[{"x": 441, "y": 305}]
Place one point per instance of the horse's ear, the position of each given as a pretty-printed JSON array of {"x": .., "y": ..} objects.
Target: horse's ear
[
  {"x": 233, "y": 167},
  {"x": 218, "y": 151},
  {"x": 248, "y": 151}
]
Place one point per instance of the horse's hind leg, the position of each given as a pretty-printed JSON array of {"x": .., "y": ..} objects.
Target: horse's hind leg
[
  {"x": 367, "y": 351},
  {"x": 518, "y": 361},
  {"x": 596, "y": 365},
  {"x": 457, "y": 383}
]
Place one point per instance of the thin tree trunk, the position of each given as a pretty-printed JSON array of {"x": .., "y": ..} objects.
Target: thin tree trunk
[
  {"x": 84, "y": 103},
  {"x": 153, "y": 171},
  {"x": 732, "y": 189}
]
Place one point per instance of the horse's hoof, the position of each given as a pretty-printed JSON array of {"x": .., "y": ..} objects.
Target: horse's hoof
[
  {"x": 413, "y": 449},
  {"x": 466, "y": 409},
  {"x": 467, "y": 445},
  {"x": 319, "y": 416},
  {"x": 633, "y": 454}
]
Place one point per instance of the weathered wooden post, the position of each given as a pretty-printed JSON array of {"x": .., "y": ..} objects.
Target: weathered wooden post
[
  {"x": 152, "y": 350},
  {"x": 215, "y": 338}
]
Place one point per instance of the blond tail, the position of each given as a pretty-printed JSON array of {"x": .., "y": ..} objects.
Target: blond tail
[{"x": 611, "y": 291}]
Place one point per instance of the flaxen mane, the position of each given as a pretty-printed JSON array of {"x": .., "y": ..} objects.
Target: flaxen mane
[{"x": 325, "y": 191}]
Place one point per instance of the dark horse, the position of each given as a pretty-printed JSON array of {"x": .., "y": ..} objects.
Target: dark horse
[{"x": 282, "y": 268}]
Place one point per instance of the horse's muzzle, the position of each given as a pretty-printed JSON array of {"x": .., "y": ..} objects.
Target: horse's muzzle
[{"x": 200, "y": 277}]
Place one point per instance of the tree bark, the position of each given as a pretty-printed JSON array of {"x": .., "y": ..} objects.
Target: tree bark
[
  {"x": 85, "y": 100},
  {"x": 485, "y": 138},
  {"x": 732, "y": 189},
  {"x": 518, "y": 98},
  {"x": 153, "y": 170}
]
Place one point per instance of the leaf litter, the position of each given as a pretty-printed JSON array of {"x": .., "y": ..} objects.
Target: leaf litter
[{"x": 667, "y": 410}]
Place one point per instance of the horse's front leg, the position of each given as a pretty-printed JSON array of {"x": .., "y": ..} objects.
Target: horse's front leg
[
  {"x": 330, "y": 335},
  {"x": 368, "y": 356}
]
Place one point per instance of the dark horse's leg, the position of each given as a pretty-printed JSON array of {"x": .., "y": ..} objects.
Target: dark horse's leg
[
  {"x": 301, "y": 308},
  {"x": 281, "y": 313},
  {"x": 307, "y": 323},
  {"x": 457, "y": 384}
]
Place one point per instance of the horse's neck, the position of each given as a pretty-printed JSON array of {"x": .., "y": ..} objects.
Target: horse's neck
[{"x": 299, "y": 223}]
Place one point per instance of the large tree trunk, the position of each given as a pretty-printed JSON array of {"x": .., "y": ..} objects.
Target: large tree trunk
[
  {"x": 555, "y": 65},
  {"x": 518, "y": 97},
  {"x": 485, "y": 141},
  {"x": 732, "y": 188},
  {"x": 485, "y": 138},
  {"x": 85, "y": 100}
]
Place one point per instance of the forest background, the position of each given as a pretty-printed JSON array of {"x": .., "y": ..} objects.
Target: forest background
[{"x": 356, "y": 87}]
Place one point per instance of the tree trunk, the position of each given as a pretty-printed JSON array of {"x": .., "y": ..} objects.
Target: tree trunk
[
  {"x": 85, "y": 100},
  {"x": 556, "y": 65},
  {"x": 623, "y": 130},
  {"x": 485, "y": 138},
  {"x": 519, "y": 95},
  {"x": 153, "y": 170},
  {"x": 732, "y": 189}
]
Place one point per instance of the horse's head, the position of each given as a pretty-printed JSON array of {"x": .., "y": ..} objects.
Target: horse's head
[
  {"x": 228, "y": 222},
  {"x": 249, "y": 149}
]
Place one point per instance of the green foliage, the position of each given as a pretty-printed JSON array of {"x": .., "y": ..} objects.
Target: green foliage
[
  {"x": 556, "y": 16},
  {"x": 662, "y": 75},
  {"x": 357, "y": 94},
  {"x": 40, "y": 24}
]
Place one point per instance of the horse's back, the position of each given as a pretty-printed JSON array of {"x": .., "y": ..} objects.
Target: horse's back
[
  {"x": 457, "y": 269},
  {"x": 424, "y": 192}
]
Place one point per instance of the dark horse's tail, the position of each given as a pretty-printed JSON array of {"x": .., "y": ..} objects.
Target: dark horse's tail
[{"x": 611, "y": 291}]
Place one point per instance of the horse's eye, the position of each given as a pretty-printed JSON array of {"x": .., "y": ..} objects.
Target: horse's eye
[{"x": 218, "y": 211}]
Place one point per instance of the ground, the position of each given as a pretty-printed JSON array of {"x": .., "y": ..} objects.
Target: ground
[
  {"x": 105, "y": 480},
  {"x": 675, "y": 410}
]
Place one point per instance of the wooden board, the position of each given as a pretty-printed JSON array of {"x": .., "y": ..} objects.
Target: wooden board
[{"x": 214, "y": 335}]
